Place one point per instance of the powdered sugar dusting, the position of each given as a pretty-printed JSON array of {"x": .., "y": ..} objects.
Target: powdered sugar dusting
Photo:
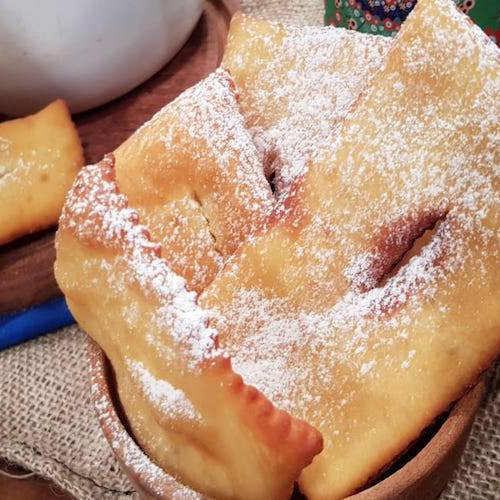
[
  {"x": 210, "y": 129},
  {"x": 5, "y": 167},
  {"x": 195, "y": 159},
  {"x": 171, "y": 401},
  {"x": 98, "y": 214},
  {"x": 321, "y": 332},
  {"x": 127, "y": 450},
  {"x": 299, "y": 88}
]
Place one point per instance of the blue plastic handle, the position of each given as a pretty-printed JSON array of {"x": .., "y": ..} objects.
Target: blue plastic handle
[{"x": 26, "y": 325}]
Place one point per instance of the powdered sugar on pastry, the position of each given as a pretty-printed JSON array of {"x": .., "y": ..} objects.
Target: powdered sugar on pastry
[
  {"x": 472, "y": 194},
  {"x": 127, "y": 450},
  {"x": 171, "y": 401},
  {"x": 127, "y": 297},
  {"x": 95, "y": 202},
  {"x": 308, "y": 312},
  {"x": 194, "y": 176},
  {"x": 309, "y": 309},
  {"x": 40, "y": 156},
  {"x": 296, "y": 85}
]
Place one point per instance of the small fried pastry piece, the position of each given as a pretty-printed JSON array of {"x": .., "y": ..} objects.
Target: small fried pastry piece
[
  {"x": 193, "y": 175},
  {"x": 296, "y": 84},
  {"x": 128, "y": 299},
  {"x": 39, "y": 158},
  {"x": 307, "y": 314}
]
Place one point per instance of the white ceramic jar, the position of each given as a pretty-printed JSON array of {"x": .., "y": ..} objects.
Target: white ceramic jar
[{"x": 87, "y": 52}]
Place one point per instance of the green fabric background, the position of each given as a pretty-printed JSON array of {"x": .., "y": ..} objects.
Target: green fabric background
[{"x": 350, "y": 14}]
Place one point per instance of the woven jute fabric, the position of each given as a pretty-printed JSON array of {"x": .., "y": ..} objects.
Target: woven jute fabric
[{"x": 47, "y": 422}]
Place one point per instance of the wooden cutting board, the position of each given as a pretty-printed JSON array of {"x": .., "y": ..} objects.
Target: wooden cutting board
[{"x": 26, "y": 265}]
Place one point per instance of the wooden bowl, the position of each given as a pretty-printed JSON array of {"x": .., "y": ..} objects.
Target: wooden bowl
[{"x": 422, "y": 472}]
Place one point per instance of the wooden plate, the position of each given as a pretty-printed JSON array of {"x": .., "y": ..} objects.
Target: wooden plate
[
  {"x": 421, "y": 473},
  {"x": 26, "y": 265}
]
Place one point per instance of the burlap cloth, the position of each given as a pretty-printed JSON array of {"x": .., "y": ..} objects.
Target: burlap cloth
[{"x": 47, "y": 422}]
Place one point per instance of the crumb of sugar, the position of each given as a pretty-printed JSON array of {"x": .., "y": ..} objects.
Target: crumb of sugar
[
  {"x": 171, "y": 401},
  {"x": 366, "y": 367},
  {"x": 406, "y": 363}
]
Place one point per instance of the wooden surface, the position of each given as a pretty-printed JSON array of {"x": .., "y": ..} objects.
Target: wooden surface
[
  {"x": 420, "y": 474},
  {"x": 27, "y": 281},
  {"x": 26, "y": 276},
  {"x": 26, "y": 266}
]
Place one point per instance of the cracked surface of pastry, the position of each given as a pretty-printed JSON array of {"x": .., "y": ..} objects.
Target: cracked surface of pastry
[
  {"x": 305, "y": 311},
  {"x": 193, "y": 175},
  {"x": 128, "y": 299},
  {"x": 39, "y": 158},
  {"x": 296, "y": 85}
]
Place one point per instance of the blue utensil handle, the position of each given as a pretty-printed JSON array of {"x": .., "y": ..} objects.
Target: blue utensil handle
[{"x": 26, "y": 325}]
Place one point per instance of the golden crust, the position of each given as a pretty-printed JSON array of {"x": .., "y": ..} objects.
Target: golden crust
[
  {"x": 296, "y": 85},
  {"x": 308, "y": 309},
  {"x": 116, "y": 283},
  {"x": 193, "y": 175},
  {"x": 39, "y": 158},
  {"x": 308, "y": 317}
]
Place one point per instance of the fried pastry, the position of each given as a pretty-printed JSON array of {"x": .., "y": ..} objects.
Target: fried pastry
[
  {"x": 193, "y": 175},
  {"x": 225, "y": 439},
  {"x": 307, "y": 312},
  {"x": 296, "y": 84},
  {"x": 39, "y": 158}
]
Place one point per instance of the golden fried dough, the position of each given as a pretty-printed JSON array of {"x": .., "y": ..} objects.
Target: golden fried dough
[
  {"x": 39, "y": 158},
  {"x": 295, "y": 85},
  {"x": 306, "y": 312},
  {"x": 207, "y": 428},
  {"x": 193, "y": 175}
]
